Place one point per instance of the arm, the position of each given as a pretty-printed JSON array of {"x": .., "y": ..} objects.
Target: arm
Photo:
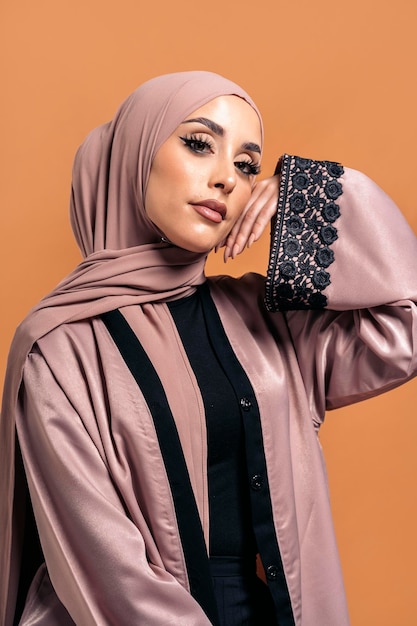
[
  {"x": 96, "y": 557},
  {"x": 343, "y": 265},
  {"x": 338, "y": 241}
]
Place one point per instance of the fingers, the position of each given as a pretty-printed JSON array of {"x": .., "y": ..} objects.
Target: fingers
[{"x": 255, "y": 217}]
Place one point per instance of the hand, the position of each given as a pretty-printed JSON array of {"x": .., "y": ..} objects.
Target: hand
[{"x": 255, "y": 217}]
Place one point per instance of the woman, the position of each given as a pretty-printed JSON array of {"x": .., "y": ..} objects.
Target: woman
[{"x": 162, "y": 416}]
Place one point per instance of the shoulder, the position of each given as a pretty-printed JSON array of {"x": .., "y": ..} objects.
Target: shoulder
[
  {"x": 250, "y": 280},
  {"x": 69, "y": 336},
  {"x": 247, "y": 288},
  {"x": 69, "y": 348},
  {"x": 245, "y": 296}
]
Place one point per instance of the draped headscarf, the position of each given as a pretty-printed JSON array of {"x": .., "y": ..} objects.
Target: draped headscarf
[{"x": 125, "y": 261}]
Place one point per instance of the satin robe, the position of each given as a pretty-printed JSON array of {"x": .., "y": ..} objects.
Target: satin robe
[{"x": 345, "y": 330}]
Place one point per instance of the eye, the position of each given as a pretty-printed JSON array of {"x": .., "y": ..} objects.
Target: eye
[
  {"x": 197, "y": 143},
  {"x": 249, "y": 168}
]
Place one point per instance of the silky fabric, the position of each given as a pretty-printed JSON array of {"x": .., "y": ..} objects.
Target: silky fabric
[
  {"x": 98, "y": 484},
  {"x": 242, "y": 598},
  {"x": 125, "y": 261}
]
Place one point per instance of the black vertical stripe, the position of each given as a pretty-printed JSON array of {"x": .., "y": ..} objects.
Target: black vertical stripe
[
  {"x": 262, "y": 516},
  {"x": 189, "y": 523}
]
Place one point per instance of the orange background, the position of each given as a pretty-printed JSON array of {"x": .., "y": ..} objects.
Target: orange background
[{"x": 334, "y": 81}]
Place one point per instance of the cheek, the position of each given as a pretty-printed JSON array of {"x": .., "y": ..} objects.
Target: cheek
[
  {"x": 175, "y": 180},
  {"x": 161, "y": 179},
  {"x": 243, "y": 196}
]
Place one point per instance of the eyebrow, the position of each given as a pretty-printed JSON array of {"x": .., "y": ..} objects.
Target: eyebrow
[
  {"x": 253, "y": 147},
  {"x": 219, "y": 130}
]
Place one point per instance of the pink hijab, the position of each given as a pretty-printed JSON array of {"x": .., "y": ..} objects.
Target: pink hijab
[{"x": 125, "y": 261}]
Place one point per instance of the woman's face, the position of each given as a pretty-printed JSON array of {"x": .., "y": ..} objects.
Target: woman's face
[{"x": 202, "y": 176}]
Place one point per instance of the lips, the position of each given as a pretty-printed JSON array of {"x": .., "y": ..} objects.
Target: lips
[{"x": 211, "y": 209}]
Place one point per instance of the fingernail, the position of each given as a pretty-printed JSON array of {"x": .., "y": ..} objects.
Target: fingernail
[
  {"x": 235, "y": 250},
  {"x": 226, "y": 253},
  {"x": 251, "y": 240}
]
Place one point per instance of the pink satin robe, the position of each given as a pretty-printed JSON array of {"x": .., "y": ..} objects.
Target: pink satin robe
[{"x": 111, "y": 569}]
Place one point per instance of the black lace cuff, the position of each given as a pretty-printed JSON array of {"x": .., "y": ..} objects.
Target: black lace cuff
[{"x": 302, "y": 234}]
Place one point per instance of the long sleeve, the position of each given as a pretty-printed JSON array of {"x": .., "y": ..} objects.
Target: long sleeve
[
  {"x": 343, "y": 266},
  {"x": 95, "y": 554}
]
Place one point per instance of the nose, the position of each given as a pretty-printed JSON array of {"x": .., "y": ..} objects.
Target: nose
[{"x": 224, "y": 176}]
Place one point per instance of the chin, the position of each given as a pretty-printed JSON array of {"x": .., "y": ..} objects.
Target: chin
[
  {"x": 197, "y": 249},
  {"x": 196, "y": 245}
]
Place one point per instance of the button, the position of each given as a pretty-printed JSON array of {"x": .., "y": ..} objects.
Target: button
[
  {"x": 256, "y": 482},
  {"x": 272, "y": 572},
  {"x": 245, "y": 404}
]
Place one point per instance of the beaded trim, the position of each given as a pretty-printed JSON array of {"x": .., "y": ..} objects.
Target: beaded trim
[{"x": 302, "y": 234}]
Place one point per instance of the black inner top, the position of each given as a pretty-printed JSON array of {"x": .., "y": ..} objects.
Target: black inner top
[{"x": 231, "y": 531}]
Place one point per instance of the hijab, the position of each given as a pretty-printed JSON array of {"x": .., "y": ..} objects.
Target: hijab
[{"x": 125, "y": 260}]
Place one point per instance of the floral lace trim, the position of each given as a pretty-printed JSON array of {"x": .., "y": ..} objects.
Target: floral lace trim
[{"x": 303, "y": 233}]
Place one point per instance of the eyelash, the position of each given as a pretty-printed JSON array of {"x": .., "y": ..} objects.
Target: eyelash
[
  {"x": 201, "y": 145},
  {"x": 197, "y": 143}
]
